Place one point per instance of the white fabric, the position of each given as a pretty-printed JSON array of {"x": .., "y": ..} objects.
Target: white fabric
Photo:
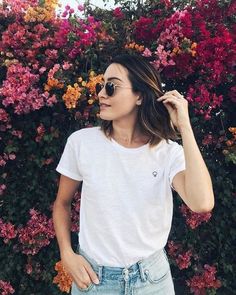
[{"x": 126, "y": 200}]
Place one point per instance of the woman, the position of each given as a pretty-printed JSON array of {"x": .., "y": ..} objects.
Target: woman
[{"x": 128, "y": 166}]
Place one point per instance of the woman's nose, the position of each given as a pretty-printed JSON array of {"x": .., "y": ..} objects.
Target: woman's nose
[{"x": 102, "y": 93}]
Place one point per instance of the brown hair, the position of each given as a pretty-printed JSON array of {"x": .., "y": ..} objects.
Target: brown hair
[{"x": 153, "y": 117}]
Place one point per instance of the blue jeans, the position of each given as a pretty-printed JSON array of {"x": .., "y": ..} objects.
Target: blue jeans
[{"x": 149, "y": 276}]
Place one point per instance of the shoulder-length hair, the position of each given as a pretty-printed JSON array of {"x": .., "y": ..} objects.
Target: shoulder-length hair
[{"x": 153, "y": 118}]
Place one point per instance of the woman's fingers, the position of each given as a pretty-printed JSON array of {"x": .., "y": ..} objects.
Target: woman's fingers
[
  {"x": 93, "y": 276},
  {"x": 80, "y": 270},
  {"x": 84, "y": 275}
]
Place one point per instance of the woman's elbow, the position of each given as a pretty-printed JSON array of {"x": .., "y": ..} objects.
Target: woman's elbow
[{"x": 204, "y": 208}]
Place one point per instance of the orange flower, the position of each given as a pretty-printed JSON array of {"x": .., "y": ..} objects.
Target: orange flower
[
  {"x": 176, "y": 50},
  {"x": 104, "y": 36},
  {"x": 186, "y": 46},
  {"x": 72, "y": 95},
  {"x": 194, "y": 45},
  {"x": 135, "y": 46},
  {"x": 229, "y": 142},
  {"x": 193, "y": 52},
  {"x": 44, "y": 12},
  {"x": 53, "y": 83},
  {"x": 93, "y": 80},
  {"x": 62, "y": 279},
  {"x": 232, "y": 129}
]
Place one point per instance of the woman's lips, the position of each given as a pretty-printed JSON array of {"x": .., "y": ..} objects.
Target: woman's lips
[{"x": 103, "y": 106}]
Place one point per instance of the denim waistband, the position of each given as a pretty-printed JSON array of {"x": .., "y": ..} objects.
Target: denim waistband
[{"x": 116, "y": 273}]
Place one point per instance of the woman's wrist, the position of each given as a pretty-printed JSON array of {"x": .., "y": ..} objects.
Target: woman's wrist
[{"x": 66, "y": 251}]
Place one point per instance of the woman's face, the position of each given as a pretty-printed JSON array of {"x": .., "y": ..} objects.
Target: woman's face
[{"x": 123, "y": 103}]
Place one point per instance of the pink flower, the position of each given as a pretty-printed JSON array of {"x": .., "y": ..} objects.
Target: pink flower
[
  {"x": 42, "y": 70},
  {"x": 4, "y": 117},
  {"x": 12, "y": 156},
  {"x": 194, "y": 219},
  {"x": 200, "y": 282},
  {"x": 64, "y": 14},
  {"x": 202, "y": 97},
  {"x": 48, "y": 161},
  {"x": 66, "y": 65},
  {"x": 19, "y": 90},
  {"x": 41, "y": 129},
  {"x": 2, "y": 189},
  {"x": 143, "y": 29},
  {"x": 40, "y": 132},
  {"x": 208, "y": 139},
  {"x": 52, "y": 53},
  {"x": 7, "y": 231},
  {"x": 163, "y": 57},
  {"x": 17, "y": 133},
  {"x": 147, "y": 52},
  {"x": 173, "y": 248},
  {"x": 183, "y": 260},
  {"x": 36, "y": 234},
  {"x": 6, "y": 288},
  {"x": 117, "y": 12},
  {"x": 81, "y": 7},
  {"x": 52, "y": 72},
  {"x": 28, "y": 268},
  {"x": 2, "y": 162}
]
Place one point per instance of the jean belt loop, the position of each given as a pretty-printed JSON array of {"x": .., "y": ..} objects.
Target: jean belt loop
[
  {"x": 143, "y": 277},
  {"x": 100, "y": 273}
]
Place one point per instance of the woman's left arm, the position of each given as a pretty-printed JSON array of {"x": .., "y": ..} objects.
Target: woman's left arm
[{"x": 194, "y": 184}]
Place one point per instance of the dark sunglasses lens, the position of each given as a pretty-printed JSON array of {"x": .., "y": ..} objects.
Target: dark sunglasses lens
[
  {"x": 98, "y": 88},
  {"x": 110, "y": 88}
]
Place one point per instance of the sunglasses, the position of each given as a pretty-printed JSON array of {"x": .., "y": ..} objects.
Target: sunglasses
[{"x": 109, "y": 87}]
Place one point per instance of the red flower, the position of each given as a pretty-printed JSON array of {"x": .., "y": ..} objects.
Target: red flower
[
  {"x": 194, "y": 219},
  {"x": 117, "y": 12},
  {"x": 200, "y": 282},
  {"x": 6, "y": 288},
  {"x": 143, "y": 29},
  {"x": 183, "y": 259},
  {"x": 7, "y": 231},
  {"x": 36, "y": 234}
]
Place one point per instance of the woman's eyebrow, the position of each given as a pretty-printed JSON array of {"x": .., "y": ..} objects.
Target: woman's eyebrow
[{"x": 113, "y": 78}]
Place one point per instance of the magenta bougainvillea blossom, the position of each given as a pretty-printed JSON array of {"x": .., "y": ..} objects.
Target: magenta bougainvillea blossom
[
  {"x": 21, "y": 91},
  {"x": 204, "y": 280},
  {"x": 36, "y": 234},
  {"x": 43, "y": 60},
  {"x": 6, "y": 288},
  {"x": 194, "y": 219},
  {"x": 81, "y": 35},
  {"x": 7, "y": 231}
]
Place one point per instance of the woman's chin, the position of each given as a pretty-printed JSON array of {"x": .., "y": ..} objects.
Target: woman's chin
[{"x": 104, "y": 116}]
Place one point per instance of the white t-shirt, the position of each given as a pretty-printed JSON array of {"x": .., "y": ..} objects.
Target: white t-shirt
[{"x": 126, "y": 199}]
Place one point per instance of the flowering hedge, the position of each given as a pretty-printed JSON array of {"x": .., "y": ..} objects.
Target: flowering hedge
[{"x": 49, "y": 67}]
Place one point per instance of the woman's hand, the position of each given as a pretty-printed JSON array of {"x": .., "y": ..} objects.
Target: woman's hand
[
  {"x": 79, "y": 269},
  {"x": 177, "y": 107}
]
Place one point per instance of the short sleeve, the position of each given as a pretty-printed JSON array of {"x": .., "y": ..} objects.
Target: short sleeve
[
  {"x": 69, "y": 162},
  {"x": 177, "y": 161}
]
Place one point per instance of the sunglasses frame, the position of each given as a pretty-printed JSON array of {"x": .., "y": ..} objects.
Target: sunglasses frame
[{"x": 106, "y": 85}]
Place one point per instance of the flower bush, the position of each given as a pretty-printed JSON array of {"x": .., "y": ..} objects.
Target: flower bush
[{"x": 50, "y": 64}]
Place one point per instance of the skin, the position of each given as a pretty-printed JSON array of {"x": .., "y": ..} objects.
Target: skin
[
  {"x": 76, "y": 265},
  {"x": 193, "y": 184},
  {"x": 124, "y": 107}
]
